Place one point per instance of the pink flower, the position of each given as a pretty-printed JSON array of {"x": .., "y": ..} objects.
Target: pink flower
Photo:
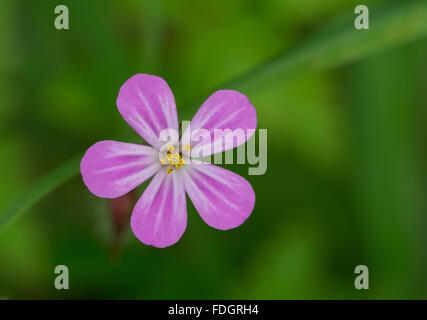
[{"x": 111, "y": 169}]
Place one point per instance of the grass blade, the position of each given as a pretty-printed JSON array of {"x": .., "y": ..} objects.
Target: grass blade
[
  {"x": 335, "y": 45},
  {"x": 38, "y": 190}
]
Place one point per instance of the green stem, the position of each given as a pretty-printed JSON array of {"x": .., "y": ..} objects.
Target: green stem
[{"x": 335, "y": 45}]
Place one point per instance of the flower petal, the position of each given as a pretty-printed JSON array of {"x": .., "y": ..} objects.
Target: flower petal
[
  {"x": 226, "y": 110},
  {"x": 223, "y": 199},
  {"x": 147, "y": 104},
  {"x": 111, "y": 169},
  {"x": 160, "y": 215}
]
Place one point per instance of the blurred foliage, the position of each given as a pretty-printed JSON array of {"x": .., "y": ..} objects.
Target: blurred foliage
[{"x": 346, "y": 179}]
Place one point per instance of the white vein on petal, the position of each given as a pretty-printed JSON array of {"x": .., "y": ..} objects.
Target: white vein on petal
[
  {"x": 151, "y": 112},
  {"x": 205, "y": 119},
  {"x": 143, "y": 129},
  {"x": 218, "y": 175},
  {"x": 229, "y": 118},
  {"x": 138, "y": 162},
  {"x": 197, "y": 194},
  {"x": 170, "y": 111},
  {"x": 137, "y": 176},
  {"x": 165, "y": 184}
]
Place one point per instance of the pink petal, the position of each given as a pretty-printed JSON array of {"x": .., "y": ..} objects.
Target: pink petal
[
  {"x": 160, "y": 216},
  {"x": 223, "y": 199},
  {"x": 225, "y": 109},
  {"x": 146, "y": 102},
  {"x": 111, "y": 169}
]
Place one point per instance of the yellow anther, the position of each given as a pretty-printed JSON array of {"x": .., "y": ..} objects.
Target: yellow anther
[
  {"x": 187, "y": 147},
  {"x": 171, "y": 149},
  {"x": 173, "y": 159}
]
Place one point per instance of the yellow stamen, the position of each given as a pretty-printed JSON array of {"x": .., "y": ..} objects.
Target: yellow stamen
[
  {"x": 187, "y": 147},
  {"x": 173, "y": 159},
  {"x": 171, "y": 149}
]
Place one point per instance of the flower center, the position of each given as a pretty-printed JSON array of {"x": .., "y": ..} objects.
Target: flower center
[{"x": 173, "y": 159}]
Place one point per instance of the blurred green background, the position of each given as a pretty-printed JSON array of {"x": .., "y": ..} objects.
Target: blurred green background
[{"x": 346, "y": 179}]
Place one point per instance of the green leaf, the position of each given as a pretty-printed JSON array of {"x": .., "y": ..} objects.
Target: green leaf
[
  {"x": 338, "y": 44},
  {"x": 335, "y": 45},
  {"x": 40, "y": 189}
]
